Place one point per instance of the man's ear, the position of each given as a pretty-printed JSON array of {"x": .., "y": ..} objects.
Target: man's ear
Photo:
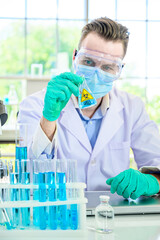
[{"x": 74, "y": 54}]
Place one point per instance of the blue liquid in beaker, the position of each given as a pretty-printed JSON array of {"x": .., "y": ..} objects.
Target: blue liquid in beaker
[{"x": 87, "y": 103}]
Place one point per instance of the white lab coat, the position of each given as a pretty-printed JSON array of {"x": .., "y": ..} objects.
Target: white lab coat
[{"x": 125, "y": 125}]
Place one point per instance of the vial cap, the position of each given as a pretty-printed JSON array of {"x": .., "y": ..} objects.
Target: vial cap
[{"x": 104, "y": 198}]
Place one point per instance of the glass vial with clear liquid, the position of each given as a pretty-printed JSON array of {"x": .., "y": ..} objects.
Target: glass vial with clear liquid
[{"x": 104, "y": 216}]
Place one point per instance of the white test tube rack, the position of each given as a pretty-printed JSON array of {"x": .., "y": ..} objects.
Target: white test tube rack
[{"x": 34, "y": 232}]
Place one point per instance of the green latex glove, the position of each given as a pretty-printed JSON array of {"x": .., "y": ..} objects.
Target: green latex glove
[
  {"x": 58, "y": 93},
  {"x": 132, "y": 183}
]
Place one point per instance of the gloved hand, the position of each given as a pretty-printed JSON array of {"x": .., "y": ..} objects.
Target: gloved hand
[
  {"x": 58, "y": 93},
  {"x": 132, "y": 183}
]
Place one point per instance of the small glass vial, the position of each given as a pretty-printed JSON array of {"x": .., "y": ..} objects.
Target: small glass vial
[{"x": 104, "y": 216}]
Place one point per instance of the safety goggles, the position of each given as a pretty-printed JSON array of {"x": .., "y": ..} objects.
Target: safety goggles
[{"x": 107, "y": 63}]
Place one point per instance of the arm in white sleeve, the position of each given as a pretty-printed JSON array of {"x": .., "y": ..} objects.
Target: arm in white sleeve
[{"x": 42, "y": 145}]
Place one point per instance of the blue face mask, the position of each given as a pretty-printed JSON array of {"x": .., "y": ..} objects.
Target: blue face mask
[{"x": 98, "y": 81}]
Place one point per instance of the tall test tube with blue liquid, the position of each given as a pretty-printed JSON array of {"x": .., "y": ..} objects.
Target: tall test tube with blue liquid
[
  {"x": 35, "y": 191},
  {"x": 61, "y": 193},
  {"x": 15, "y": 192},
  {"x": 52, "y": 194},
  {"x": 25, "y": 193},
  {"x": 42, "y": 195},
  {"x": 72, "y": 193},
  {"x": 21, "y": 144}
]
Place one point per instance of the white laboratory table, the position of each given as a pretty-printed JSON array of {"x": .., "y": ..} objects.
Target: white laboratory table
[{"x": 127, "y": 227}]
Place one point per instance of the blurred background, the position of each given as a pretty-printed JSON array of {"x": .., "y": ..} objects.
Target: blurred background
[{"x": 37, "y": 38}]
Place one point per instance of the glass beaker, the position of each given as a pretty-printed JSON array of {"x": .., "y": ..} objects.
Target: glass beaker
[{"x": 86, "y": 98}]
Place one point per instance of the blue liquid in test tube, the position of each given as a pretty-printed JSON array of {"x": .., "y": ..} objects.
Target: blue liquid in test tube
[
  {"x": 42, "y": 198},
  {"x": 53, "y": 198},
  {"x": 21, "y": 153},
  {"x": 74, "y": 217},
  {"x": 15, "y": 196},
  {"x": 25, "y": 196},
  {"x": 35, "y": 197},
  {"x": 63, "y": 213},
  {"x": 21, "y": 144},
  {"x": 71, "y": 178}
]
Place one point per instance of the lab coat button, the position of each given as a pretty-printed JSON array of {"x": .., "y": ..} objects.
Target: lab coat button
[{"x": 93, "y": 162}]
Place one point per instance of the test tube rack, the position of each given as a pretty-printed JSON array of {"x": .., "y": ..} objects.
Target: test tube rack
[{"x": 31, "y": 230}]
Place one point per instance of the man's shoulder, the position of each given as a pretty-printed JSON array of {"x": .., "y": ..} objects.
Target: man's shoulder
[{"x": 35, "y": 98}]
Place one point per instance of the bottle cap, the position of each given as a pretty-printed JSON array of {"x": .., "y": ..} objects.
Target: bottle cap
[{"x": 104, "y": 198}]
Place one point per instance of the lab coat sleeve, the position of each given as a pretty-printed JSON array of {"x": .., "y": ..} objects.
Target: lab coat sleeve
[
  {"x": 30, "y": 112},
  {"x": 145, "y": 140},
  {"x": 44, "y": 146}
]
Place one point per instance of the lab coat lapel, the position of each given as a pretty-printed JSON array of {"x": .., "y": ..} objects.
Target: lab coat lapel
[
  {"x": 110, "y": 125},
  {"x": 72, "y": 122}
]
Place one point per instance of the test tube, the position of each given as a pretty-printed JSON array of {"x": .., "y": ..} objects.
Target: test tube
[
  {"x": 14, "y": 193},
  {"x": 52, "y": 194},
  {"x": 61, "y": 182},
  {"x": 4, "y": 216},
  {"x": 3, "y": 178},
  {"x": 42, "y": 195},
  {"x": 25, "y": 193},
  {"x": 35, "y": 191},
  {"x": 21, "y": 144},
  {"x": 72, "y": 193}
]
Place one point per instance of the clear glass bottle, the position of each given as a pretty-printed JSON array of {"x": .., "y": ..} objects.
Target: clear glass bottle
[
  {"x": 104, "y": 216},
  {"x": 11, "y": 101}
]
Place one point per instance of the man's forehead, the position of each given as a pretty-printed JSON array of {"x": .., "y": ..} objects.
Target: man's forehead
[{"x": 96, "y": 43}]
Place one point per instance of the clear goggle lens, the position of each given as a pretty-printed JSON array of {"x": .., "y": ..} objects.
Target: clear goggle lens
[{"x": 105, "y": 62}]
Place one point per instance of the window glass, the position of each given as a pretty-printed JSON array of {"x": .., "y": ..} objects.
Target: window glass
[
  {"x": 135, "y": 10},
  {"x": 153, "y": 9},
  {"x": 12, "y": 42},
  {"x": 153, "y": 104},
  {"x": 41, "y": 46},
  {"x": 134, "y": 86},
  {"x": 153, "y": 50},
  {"x": 101, "y": 8},
  {"x": 136, "y": 53},
  {"x": 12, "y": 9},
  {"x": 41, "y": 8},
  {"x": 69, "y": 35},
  {"x": 71, "y": 9}
]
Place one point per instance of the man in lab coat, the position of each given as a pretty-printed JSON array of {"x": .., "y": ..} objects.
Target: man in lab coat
[{"x": 99, "y": 137}]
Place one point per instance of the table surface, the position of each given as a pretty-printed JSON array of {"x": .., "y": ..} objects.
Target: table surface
[
  {"x": 127, "y": 227},
  {"x": 130, "y": 227}
]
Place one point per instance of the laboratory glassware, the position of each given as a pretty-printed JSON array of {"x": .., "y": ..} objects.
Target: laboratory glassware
[
  {"x": 85, "y": 98},
  {"x": 25, "y": 193},
  {"x": 21, "y": 144},
  {"x": 61, "y": 192},
  {"x": 13, "y": 166},
  {"x": 104, "y": 216},
  {"x": 72, "y": 192}
]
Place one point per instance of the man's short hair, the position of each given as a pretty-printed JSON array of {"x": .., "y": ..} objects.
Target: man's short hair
[{"x": 107, "y": 29}]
